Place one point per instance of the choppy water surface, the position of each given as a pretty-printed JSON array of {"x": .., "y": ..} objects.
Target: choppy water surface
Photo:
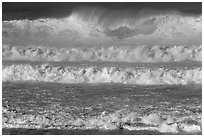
[{"x": 99, "y": 107}]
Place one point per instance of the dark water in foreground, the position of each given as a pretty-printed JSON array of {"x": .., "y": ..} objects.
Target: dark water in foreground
[
  {"x": 81, "y": 132},
  {"x": 75, "y": 132},
  {"x": 98, "y": 108}
]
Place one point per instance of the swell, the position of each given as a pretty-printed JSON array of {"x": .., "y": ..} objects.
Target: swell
[
  {"x": 132, "y": 54},
  {"x": 94, "y": 74},
  {"x": 102, "y": 26}
]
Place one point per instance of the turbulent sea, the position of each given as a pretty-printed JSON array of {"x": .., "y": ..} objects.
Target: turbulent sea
[{"x": 103, "y": 71}]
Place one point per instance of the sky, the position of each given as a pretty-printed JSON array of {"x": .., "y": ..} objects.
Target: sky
[{"x": 30, "y": 10}]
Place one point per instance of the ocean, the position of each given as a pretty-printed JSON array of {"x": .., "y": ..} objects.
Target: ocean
[{"x": 101, "y": 70}]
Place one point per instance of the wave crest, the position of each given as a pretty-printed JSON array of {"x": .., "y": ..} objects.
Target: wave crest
[
  {"x": 100, "y": 25},
  {"x": 92, "y": 74}
]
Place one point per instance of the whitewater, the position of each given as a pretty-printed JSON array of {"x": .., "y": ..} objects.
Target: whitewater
[
  {"x": 94, "y": 74},
  {"x": 135, "y": 71},
  {"x": 140, "y": 54},
  {"x": 99, "y": 34},
  {"x": 97, "y": 26}
]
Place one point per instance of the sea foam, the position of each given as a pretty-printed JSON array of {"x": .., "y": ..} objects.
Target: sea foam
[
  {"x": 156, "y": 53},
  {"x": 94, "y": 74}
]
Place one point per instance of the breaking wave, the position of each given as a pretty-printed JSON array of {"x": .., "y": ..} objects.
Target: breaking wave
[
  {"x": 109, "y": 54},
  {"x": 94, "y": 74},
  {"x": 98, "y": 34},
  {"x": 89, "y": 26}
]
